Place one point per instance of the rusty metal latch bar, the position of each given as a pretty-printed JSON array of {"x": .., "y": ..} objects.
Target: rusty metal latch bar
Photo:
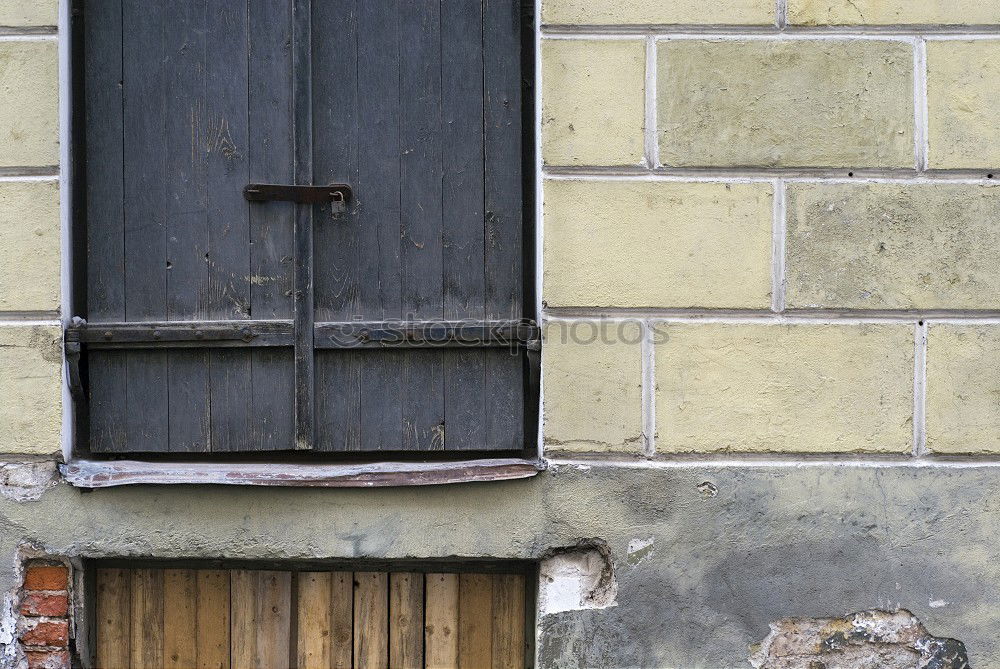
[{"x": 336, "y": 195}]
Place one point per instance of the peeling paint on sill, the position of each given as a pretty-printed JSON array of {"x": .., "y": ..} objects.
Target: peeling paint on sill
[{"x": 105, "y": 474}]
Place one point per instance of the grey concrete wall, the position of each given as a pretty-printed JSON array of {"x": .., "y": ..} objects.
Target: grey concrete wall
[{"x": 718, "y": 552}]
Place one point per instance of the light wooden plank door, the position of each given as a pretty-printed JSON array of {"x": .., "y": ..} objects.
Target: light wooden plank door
[{"x": 257, "y": 619}]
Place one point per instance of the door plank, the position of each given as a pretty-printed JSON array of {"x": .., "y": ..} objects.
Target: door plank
[
  {"x": 342, "y": 620},
  {"x": 274, "y": 610},
  {"x": 315, "y": 626},
  {"x": 147, "y": 618},
  {"x": 371, "y": 619},
  {"x": 180, "y": 618},
  {"x": 406, "y": 620},
  {"x": 243, "y": 607},
  {"x": 441, "y": 626},
  {"x": 113, "y": 616},
  {"x": 475, "y": 621},
  {"x": 105, "y": 163},
  {"x": 213, "y": 619},
  {"x": 508, "y": 621}
]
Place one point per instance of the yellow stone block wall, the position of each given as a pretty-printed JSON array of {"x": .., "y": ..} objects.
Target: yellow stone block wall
[
  {"x": 30, "y": 232},
  {"x": 795, "y": 203}
]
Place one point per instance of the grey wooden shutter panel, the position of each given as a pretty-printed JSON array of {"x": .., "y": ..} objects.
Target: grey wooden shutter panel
[{"x": 416, "y": 104}]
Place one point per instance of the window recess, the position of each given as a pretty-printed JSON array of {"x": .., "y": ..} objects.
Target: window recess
[{"x": 303, "y": 226}]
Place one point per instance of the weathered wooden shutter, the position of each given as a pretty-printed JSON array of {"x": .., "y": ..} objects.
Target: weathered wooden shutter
[{"x": 216, "y": 323}]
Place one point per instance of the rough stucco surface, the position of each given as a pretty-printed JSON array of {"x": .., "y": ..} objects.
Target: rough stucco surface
[
  {"x": 593, "y": 102},
  {"x": 772, "y": 543},
  {"x": 886, "y": 12},
  {"x": 751, "y": 103},
  {"x": 593, "y": 373},
  {"x": 784, "y": 388},
  {"x": 23, "y": 13},
  {"x": 29, "y": 246},
  {"x": 658, "y": 244},
  {"x": 582, "y": 12},
  {"x": 892, "y": 246},
  {"x": 963, "y": 385},
  {"x": 29, "y": 115},
  {"x": 30, "y": 389},
  {"x": 961, "y": 104}
]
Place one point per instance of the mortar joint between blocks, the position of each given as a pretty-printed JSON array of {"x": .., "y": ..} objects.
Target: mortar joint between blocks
[
  {"x": 648, "y": 390},
  {"x": 920, "y": 388}
]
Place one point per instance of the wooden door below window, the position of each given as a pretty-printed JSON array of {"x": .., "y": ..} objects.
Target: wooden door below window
[{"x": 150, "y": 618}]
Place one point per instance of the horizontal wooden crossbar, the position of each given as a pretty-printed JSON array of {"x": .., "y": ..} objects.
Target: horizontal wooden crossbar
[{"x": 327, "y": 335}]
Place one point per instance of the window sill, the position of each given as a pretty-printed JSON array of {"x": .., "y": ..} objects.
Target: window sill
[{"x": 108, "y": 474}]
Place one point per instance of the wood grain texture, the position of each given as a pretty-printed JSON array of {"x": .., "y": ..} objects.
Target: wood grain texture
[
  {"x": 508, "y": 621},
  {"x": 342, "y": 620},
  {"x": 146, "y": 638},
  {"x": 243, "y": 612},
  {"x": 371, "y": 620},
  {"x": 274, "y": 611},
  {"x": 441, "y": 626},
  {"x": 406, "y": 620},
  {"x": 315, "y": 624},
  {"x": 475, "y": 621},
  {"x": 180, "y": 618},
  {"x": 113, "y": 619},
  {"x": 213, "y": 619}
]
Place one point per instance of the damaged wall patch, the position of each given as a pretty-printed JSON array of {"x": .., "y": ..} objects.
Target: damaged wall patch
[{"x": 867, "y": 640}]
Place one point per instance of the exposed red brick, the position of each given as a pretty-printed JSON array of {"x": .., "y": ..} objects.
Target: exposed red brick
[
  {"x": 46, "y": 578},
  {"x": 48, "y": 659},
  {"x": 54, "y": 633},
  {"x": 45, "y": 604}
]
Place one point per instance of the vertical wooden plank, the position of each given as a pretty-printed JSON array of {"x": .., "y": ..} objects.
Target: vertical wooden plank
[
  {"x": 243, "y": 619},
  {"x": 189, "y": 399},
  {"x": 463, "y": 198},
  {"x": 503, "y": 214},
  {"x": 335, "y": 154},
  {"x": 441, "y": 622},
  {"x": 338, "y": 400},
  {"x": 105, "y": 164},
  {"x": 406, "y": 620},
  {"x": 145, "y": 90},
  {"x": 378, "y": 216},
  {"x": 337, "y": 241},
  {"x": 180, "y": 618},
  {"x": 272, "y": 416},
  {"x": 146, "y": 638},
  {"x": 213, "y": 619},
  {"x": 144, "y": 85},
  {"x": 342, "y": 620},
  {"x": 271, "y": 156},
  {"x": 475, "y": 621},
  {"x": 315, "y": 624},
  {"x": 504, "y": 190},
  {"x": 274, "y": 611},
  {"x": 147, "y": 420},
  {"x": 371, "y": 620},
  {"x": 271, "y": 160},
  {"x": 113, "y": 619},
  {"x": 225, "y": 147},
  {"x": 187, "y": 236},
  {"x": 185, "y": 199},
  {"x": 231, "y": 399},
  {"x": 508, "y": 621},
  {"x": 421, "y": 224},
  {"x": 107, "y": 401}
]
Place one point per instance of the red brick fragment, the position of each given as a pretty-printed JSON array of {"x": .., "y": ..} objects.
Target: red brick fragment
[
  {"x": 46, "y": 578},
  {"x": 54, "y": 633},
  {"x": 45, "y": 604},
  {"x": 48, "y": 659}
]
